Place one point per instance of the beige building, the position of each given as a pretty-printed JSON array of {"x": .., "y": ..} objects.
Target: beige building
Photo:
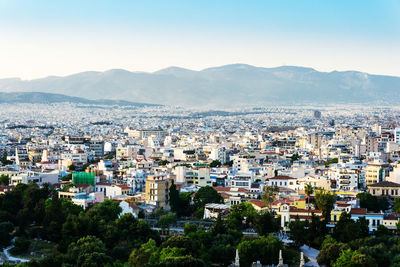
[
  {"x": 198, "y": 176},
  {"x": 394, "y": 175},
  {"x": 385, "y": 188},
  {"x": 157, "y": 190}
]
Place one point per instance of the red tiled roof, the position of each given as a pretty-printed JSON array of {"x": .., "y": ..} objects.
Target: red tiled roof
[
  {"x": 292, "y": 209},
  {"x": 123, "y": 186},
  {"x": 258, "y": 203},
  {"x": 106, "y": 184},
  {"x": 306, "y": 217},
  {"x": 47, "y": 162},
  {"x": 283, "y": 201},
  {"x": 358, "y": 211},
  {"x": 391, "y": 216},
  {"x": 225, "y": 195},
  {"x": 282, "y": 177}
]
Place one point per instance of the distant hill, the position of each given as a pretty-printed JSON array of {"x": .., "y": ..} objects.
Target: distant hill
[
  {"x": 229, "y": 86},
  {"x": 47, "y": 98}
]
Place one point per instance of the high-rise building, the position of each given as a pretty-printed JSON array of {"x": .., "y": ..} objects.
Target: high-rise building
[{"x": 317, "y": 114}]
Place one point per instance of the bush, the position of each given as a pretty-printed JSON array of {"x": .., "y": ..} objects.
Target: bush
[{"x": 21, "y": 246}]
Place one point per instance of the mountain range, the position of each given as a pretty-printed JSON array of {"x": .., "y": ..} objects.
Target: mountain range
[
  {"x": 227, "y": 86},
  {"x": 49, "y": 98}
]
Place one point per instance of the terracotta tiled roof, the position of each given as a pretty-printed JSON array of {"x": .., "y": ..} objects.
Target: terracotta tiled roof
[
  {"x": 292, "y": 209},
  {"x": 391, "y": 216},
  {"x": 283, "y": 201},
  {"x": 258, "y": 203},
  {"x": 358, "y": 211},
  {"x": 122, "y": 186},
  {"x": 282, "y": 177}
]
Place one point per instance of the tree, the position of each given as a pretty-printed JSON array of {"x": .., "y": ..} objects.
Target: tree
[
  {"x": 373, "y": 203},
  {"x": 106, "y": 210},
  {"x": 269, "y": 194},
  {"x": 219, "y": 227},
  {"x": 167, "y": 220},
  {"x": 382, "y": 231},
  {"x": 349, "y": 258},
  {"x": 330, "y": 251},
  {"x": 308, "y": 190},
  {"x": 189, "y": 228},
  {"x": 264, "y": 249},
  {"x": 265, "y": 223},
  {"x": 298, "y": 231},
  {"x": 396, "y": 206},
  {"x": 148, "y": 253},
  {"x": 163, "y": 162},
  {"x": 325, "y": 201},
  {"x": 72, "y": 167},
  {"x": 241, "y": 216},
  {"x": 207, "y": 195},
  {"x": 174, "y": 199},
  {"x": 316, "y": 231},
  {"x": 88, "y": 251},
  {"x": 5, "y": 233},
  {"x": 333, "y": 161},
  {"x": 215, "y": 163},
  {"x": 4, "y": 179},
  {"x": 21, "y": 245},
  {"x": 5, "y": 161},
  {"x": 347, "y": 229},
  {"x": 294, "y": 157}
]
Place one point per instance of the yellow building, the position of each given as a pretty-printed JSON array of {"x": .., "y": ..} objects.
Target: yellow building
[
  {"x": 300, "y": 203},
  {"x": 35, "y": 155},
  {"x": 157, "y": 190},
  {"x": 390, "y": 221},
  {"x": 375, "y": 173}
]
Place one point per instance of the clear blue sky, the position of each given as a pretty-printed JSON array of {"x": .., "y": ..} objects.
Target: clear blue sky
[{"x": 40, "y": 38}]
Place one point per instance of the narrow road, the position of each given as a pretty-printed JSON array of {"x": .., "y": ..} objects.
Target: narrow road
[
  {"x": 310, "y": 253},
  {"x": 10, "y": 258}
]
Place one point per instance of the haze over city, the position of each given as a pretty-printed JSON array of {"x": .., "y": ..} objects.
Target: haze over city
[{"x": 45, "y": 38}]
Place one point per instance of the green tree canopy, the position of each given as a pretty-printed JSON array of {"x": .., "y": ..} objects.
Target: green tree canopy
[
  {"x": 88, "y": 251},
  {"x": 167, "y": 220},
  {"x": 325, "y": 201},
  {"x": 206, "y": 195},
  {"x": 269, "y": 194},
  {"x": 373, "y": 203},
  {"x": 4, "y": 179}
]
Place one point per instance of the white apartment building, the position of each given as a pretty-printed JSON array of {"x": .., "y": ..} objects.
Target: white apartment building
[
  {"x": 35, "y": 177},
  {"x": 219, "y": 153}
]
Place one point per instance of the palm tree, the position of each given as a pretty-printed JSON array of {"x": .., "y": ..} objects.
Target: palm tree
[
  {"x": 309, "y": 190},
  {"x": 269, "y": 194}
]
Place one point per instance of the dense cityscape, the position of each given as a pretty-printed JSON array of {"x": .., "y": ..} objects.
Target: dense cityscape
[
  {"x": 95, "y": 185},
  {"x": 170, "y": 133}
]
